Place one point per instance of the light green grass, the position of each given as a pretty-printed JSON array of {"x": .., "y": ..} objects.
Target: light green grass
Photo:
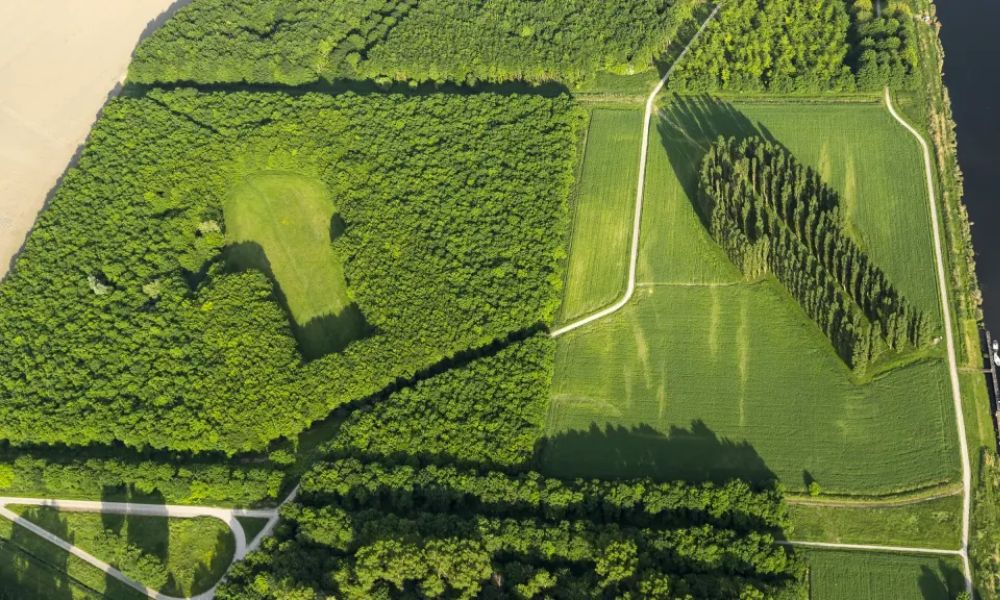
[
  {"x": 283, "y": 224},
  {"x": 835, "y": 575},
  {"x": 931, "y": 524},
  {"x": 178, "y": 557},
  {"x": 705, "y": 376},
  {"x": 603, "y": 213}
]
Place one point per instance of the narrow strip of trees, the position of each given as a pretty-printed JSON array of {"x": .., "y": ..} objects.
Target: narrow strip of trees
[{"x": 774, "y": 215}]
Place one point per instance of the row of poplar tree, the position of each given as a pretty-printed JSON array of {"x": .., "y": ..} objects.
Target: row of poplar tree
[{"x": 774, "y": 215}]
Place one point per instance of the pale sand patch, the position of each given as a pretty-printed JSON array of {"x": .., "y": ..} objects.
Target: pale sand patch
[{"x": 60, "y": 60}]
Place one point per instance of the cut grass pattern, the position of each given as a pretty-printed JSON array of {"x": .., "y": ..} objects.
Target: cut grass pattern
[{"x": 835, "y": 575}]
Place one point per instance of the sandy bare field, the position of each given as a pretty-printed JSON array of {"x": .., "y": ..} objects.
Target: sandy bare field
[{"x": 59, "y": 61}]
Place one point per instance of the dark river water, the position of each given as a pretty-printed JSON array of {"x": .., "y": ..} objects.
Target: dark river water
[{"x": 971, "y": 37}]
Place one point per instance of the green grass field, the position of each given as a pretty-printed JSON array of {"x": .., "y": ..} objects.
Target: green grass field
[
  {"x": 283, "y": 224},
  {"x": 33, "y": 569},
  {"x": 930, "y": 524},
  {"x": 705, "y": 376},
  {"x": 178, "y": 557},
  {"x": 835, "y": 575},
  {"x": 603, "y": 211}
]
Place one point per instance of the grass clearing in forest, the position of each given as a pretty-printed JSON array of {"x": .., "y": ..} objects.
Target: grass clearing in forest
[
  {"x": 706, "y": 376},
  {"x": 838, "y": 575},
  {"x": 284, "y": 225},
  {"x": 603, "y": 212},
  {"x": 178, "y": 557}
]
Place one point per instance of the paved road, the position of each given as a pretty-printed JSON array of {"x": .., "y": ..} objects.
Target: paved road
[
  {"x": 639, "y": 193},
  {"x": 956, "y": 389}
]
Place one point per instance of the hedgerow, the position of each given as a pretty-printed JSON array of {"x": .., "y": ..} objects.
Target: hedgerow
[
  {"x": 774, "y": 215},
  {"x": 296, "y": 42},
  {"x": 121, "y": 320}
]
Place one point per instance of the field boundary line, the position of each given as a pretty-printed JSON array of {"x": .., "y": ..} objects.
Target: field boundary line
[
  {"x": 956, "y": 389},
  {"x": 640, "y": 191},
  {"x": 870, "y": 548},
  {"x": 868, "y": 502}
]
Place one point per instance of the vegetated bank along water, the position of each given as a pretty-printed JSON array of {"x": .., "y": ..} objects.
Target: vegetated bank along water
[{"x": 971, "y": 58}]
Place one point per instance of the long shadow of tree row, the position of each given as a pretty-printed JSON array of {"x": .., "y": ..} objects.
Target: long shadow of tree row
[{"x": 693, "y": 455}]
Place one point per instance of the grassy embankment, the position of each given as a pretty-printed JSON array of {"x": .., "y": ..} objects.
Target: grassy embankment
[{"x": 706, "y": 366}]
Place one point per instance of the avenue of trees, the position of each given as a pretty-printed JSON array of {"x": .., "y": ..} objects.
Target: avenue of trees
[
  {"x": 296, "y": 42},
  {"x": 120, "y": 320},
  {"x": 370, "y": 531},
  {"x": 774, "y": 215},
  {"x": 802, "y": 46}
]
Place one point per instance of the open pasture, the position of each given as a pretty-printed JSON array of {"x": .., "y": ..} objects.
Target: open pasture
[
  {"x": 706, "y": 376},
  {"x": 283, "y": 224},
  {"x": 603, "y": 210},
  {"x": 835, "y": 575}
]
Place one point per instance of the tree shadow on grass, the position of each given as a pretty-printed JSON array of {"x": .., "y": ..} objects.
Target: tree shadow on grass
[
  {"x": 319, "y": 336},
  {"x": 32, "y": 568},
  {"x": 688, "y": 125},
  {"x": 943, "y": 583},
  {"x": 693, "y": 455}
]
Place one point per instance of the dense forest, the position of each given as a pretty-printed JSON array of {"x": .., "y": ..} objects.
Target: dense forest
[
  {"x": 491, "y": 410},
  {"x": 363, "y": 530},
  {"x": 296, "y": 42},
  {"x": 802, "y": 46},
  {"x": 121, "y": 321},
  {"x": 774, "y": 215}
]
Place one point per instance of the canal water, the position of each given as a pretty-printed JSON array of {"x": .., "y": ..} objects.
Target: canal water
[{"x": 970, "y": 31}]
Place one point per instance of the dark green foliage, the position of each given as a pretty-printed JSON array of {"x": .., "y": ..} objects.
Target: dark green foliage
[
  {"x": 491, "y": 410},
  {"x": 120, "y": 320},
  {"x": 801, "y": 46},
  {"x": 774, "y": 215},
  {"x": 446, "y": 532},
  {"x": 295, "y": 42},
  {"x": 172, "y": 481},
  {"x": 884, "y": 44}
]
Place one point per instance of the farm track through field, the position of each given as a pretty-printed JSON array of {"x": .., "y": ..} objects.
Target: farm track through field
[
  {"x": 640, "y": 191},
  {"x": 229, "y": 515},
  {"x": 956, "y": 389}
]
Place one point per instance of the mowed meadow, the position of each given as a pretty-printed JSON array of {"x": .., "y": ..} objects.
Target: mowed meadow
[
  {"x": 603, "y": 210},
  {"x": 707, "y": 376}
]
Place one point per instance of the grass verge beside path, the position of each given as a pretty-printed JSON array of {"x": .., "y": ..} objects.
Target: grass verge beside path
[
  {"x": 602, "y": 213},
  {"x": 931, "y": 524},
  {"x": 178, "y": 557},
  {"x": 854, "y": 575},
  {"x": 33, "y": 569}
]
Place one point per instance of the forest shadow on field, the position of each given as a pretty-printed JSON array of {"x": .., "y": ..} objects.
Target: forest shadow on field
[
  {"x": 32, "y": 568},
  {"x": 943, "y": 583},
  {"x": 319, "y": 336},
  {"x": 689, "y": 125},
  {"x": 694, "y": 455}
]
